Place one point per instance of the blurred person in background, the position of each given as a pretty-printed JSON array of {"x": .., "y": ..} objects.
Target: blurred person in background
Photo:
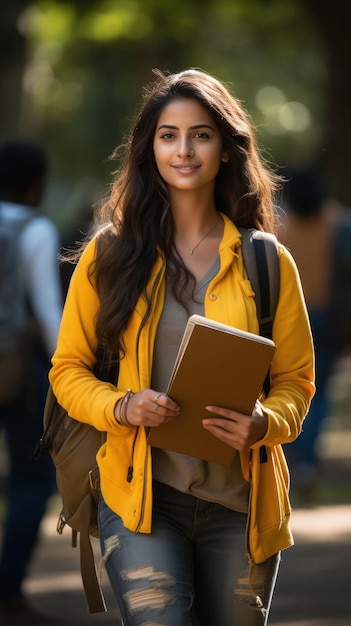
[
  {"x": 30, "y": 482},
  {"x": 309, "y": 225}
]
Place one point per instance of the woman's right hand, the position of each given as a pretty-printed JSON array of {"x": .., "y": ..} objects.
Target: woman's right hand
[{"x": 145, "y": 408}]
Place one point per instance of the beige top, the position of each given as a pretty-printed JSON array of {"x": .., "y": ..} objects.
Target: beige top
[{"x": 202, "y": 479}]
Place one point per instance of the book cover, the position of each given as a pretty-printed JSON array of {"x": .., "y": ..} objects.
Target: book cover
[{"x": 217, "y": 365}]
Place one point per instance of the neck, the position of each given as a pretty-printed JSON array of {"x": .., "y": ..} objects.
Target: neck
[
  {"x": 192, "y": 200},
  {"x": 198, "y": 252},
  {"x": 192, "y": 212},
  {"x": 195, "y": 235}
]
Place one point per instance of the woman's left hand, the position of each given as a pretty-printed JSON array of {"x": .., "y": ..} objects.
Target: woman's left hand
[{"x": 235, "y": 429}]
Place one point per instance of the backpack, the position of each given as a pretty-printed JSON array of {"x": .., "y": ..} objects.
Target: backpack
[
  {"x": 13, "y": 308},
  {"x": 73, "y": 445}
]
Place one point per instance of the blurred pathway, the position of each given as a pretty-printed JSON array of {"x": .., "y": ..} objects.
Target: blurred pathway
[
  {"x": 314, "y": 584},
  {"x": 313, "y": 587}
]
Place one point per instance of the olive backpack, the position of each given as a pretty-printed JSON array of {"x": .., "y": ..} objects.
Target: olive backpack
[{"x": 73, "y": 445}]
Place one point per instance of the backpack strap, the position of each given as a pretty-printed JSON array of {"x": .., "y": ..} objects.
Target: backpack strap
[
  {"x": 261, "y": 260},
  {"x": 92, "y": 589}
]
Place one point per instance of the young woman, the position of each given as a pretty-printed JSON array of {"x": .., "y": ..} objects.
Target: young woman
[{"x": 184, "y": 541}]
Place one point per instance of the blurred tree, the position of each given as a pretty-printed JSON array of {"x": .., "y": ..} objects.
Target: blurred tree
[
  {"x": 87, "y": 59},
  {"x": 333, "y": 21},
  {"x": 13, "y": 58}
]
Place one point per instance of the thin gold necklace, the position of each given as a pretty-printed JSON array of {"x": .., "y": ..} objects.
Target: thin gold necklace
[{"x": 191, "y": 250}]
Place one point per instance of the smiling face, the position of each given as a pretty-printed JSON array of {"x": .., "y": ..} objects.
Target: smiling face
[{"x": 187, "y": 146}]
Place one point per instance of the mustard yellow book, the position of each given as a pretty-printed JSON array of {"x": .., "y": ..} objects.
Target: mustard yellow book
[{"x": 219, "y": 365}]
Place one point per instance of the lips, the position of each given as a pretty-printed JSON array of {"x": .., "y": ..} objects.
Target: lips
[{"x": 185, "y": 168}]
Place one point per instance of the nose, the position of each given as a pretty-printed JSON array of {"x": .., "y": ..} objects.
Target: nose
[{"x": 185, "y": 149}]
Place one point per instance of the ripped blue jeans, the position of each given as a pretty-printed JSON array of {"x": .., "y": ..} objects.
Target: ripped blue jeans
[{"x": 190, "y": 571}]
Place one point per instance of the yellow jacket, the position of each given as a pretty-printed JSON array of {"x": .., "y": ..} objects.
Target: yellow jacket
[{"x": 125, "y": 459}]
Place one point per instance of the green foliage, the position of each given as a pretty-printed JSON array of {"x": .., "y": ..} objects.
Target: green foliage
[{"x": 89, "y": 59}]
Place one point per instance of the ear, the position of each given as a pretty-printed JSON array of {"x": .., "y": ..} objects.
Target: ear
[{"x": 225, "y": 157}]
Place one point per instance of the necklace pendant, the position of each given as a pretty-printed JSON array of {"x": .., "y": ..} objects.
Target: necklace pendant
[{"x": 191, "y": 250}]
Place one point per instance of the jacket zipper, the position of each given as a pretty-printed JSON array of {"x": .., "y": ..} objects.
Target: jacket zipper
[
  {"x": 131, "y": 466},
  {"x": 247, "y": 540},
  {"x": 130, "y": 477},
  {"x": 142, "y": 511}
]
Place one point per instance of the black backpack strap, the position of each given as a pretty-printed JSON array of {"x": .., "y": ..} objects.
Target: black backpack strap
[{"x": 261, "y": 260}]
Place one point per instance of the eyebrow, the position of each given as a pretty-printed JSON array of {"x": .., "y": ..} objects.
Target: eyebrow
[{"x": 196, "y": 127}]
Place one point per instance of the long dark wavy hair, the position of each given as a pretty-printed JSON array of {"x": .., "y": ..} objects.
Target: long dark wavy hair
[{"x": 134, "y": 223}]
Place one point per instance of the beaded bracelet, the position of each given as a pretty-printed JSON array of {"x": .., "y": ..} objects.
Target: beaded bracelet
[{"x": 123, "y": 406}]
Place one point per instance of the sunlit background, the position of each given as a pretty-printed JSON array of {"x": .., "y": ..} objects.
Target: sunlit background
[{"x": 71, "y": 75}]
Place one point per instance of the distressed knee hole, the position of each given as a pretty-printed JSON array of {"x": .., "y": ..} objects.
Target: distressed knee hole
[
  {"x": 110, "y": 544},
  {"x": 250, "y": 588},
  {"x": 155, "y": 596},
  {"x": 149, "y": 573}
]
